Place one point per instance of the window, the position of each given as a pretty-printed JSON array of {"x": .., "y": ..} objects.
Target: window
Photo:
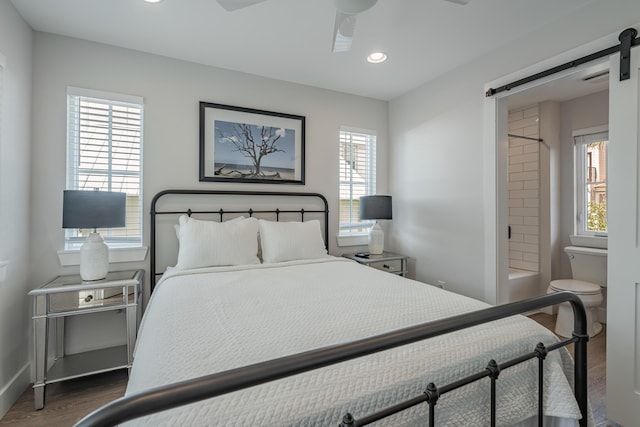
[
  {"x": 357, "y": 177},
  {"x": 104, "y": 151},
  {"x": 591, "y": 182}
]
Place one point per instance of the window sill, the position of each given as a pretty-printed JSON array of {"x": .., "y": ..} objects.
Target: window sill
[
  {"x": 357, "y": 240},
  {"x": 138, "y": 253},
  {"x": 589, "y": 241}
]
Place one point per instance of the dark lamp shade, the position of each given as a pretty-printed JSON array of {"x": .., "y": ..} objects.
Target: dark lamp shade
[
  {"x": 93, "y": 209},
  {"x": 375, "y": 207}
]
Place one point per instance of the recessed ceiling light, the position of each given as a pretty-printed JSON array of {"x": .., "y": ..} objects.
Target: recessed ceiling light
[
  {"x": 153, "y": 1},
  {"x": 377, "y": 57}
]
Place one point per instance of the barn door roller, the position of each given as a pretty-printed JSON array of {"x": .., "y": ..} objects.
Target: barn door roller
[{"x": 626, "y": 42}]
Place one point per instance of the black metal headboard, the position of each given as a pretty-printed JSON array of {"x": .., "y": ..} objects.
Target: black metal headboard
[{"x": 324, "y": 210}]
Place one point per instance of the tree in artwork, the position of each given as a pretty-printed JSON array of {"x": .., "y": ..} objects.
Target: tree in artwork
[{"x": 254, "y": 143}]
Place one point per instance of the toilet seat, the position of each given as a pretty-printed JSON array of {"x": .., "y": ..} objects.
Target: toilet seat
[{"x": 578, "y": 287}]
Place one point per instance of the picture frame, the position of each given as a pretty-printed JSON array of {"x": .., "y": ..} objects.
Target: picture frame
[{"x": 240, "y": 144}]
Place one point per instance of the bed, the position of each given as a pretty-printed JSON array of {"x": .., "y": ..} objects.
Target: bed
[{"x": 255, "y": 312}]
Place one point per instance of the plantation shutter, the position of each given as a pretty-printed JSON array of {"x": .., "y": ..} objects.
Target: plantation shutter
[
  {"x": 357, "y": 177},
  {"x": 104, "y": 149}
]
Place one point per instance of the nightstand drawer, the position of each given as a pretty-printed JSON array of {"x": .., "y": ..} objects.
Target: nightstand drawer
[
  {"x": 72, "y": 301},
  {"x": 386, "y": 261},
  {"x": 392, "y": 266}
]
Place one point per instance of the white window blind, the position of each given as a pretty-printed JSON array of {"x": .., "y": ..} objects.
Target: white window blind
[
  {"x": 357, "y": 177},
  {"x": 104, "y": 152},
  {"x": 591, "y": 183}
]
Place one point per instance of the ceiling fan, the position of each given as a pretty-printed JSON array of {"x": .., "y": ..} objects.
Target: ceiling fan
[{"x": 345, "y": 23}]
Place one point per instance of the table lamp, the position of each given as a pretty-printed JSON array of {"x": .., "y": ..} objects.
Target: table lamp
[
  {"x": 93, "y": 209},
  {"x": 376, "y": 208}
]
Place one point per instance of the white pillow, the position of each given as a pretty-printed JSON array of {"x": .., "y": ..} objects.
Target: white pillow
[
  {"x": 177, "y": 226},
  {"x": 210, "y": 243},
  {"x": 288, "y": 241}
]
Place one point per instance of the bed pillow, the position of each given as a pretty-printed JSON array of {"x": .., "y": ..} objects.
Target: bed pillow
[
  {"x": 211, "y": 244},
  {"x": 288, "y": 241},
  {"x": 177, "y": 226}
]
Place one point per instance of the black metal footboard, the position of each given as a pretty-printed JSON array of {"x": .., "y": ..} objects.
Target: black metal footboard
[{"x": 185, "y": 392}]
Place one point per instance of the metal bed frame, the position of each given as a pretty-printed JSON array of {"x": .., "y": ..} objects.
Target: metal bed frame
[{"x": 208, "y": 386}]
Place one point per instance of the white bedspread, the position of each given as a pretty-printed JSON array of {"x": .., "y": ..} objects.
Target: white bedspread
[{"x": 210, "y": 320}]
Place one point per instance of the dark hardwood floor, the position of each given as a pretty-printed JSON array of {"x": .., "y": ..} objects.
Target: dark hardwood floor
[{"x": 69, "y": 401}]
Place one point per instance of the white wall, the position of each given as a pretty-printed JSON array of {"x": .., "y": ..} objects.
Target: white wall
[
  {"x": 550, "y": 197},
  {"x": 580, "y": 113},
  {"x": 436, "y": 135},
  {"x": 172, "y": 90},
  {"x": 32, "y": 167},
  {"x": 16, "y": 45}
]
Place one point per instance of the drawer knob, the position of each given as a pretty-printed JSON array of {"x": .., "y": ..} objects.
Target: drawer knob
[{"x": 88, "y": 298}]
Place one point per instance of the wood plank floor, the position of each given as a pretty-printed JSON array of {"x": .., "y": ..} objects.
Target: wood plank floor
[
  {"x": 69, "y": 401},
  {"x": 596, "y": 361}
]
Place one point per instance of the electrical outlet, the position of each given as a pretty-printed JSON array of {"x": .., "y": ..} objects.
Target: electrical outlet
[{"x": 441, "y": 284}]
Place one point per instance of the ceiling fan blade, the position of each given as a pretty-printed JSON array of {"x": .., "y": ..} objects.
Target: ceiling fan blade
[
  {"x": 231, "y": 5},
  {"x": 462, "y": 2},
  {"x": 343, "y": 31}
]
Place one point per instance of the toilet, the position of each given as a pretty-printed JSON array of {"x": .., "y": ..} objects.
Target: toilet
[{"x": 589, "y": 272}]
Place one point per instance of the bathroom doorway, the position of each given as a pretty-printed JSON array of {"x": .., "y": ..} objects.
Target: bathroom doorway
[
  {"x": 534, "y": 176},
  {"x": 623, "y": 365},
  {"x": 535, "y": 191}
]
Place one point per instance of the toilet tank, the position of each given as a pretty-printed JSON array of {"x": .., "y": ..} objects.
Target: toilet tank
[{"x": 588, "y": 264}]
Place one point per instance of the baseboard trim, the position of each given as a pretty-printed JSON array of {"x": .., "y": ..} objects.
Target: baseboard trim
[{"x": 14, "y": 389}]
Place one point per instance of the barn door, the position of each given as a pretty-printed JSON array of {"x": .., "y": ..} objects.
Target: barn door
[{"x": 623, "y": 281}]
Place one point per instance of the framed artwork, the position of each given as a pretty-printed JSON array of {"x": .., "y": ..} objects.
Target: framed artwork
[{"x": 246, "y": 145}]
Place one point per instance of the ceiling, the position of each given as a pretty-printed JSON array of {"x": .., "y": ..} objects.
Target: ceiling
[
  {"x": 291, "y": 39},
  {"x": 590, "y": 79}
]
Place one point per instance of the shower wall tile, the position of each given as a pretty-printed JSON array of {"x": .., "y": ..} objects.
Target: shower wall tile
[
  {"x": 516, "y": 220},
  {"x": 517, "y": 185},
  {"x": 524, "y": 265},
  {"x": 531, "y": 112},
  {"x": 525, "y": 123},
  {"x": 524, "y": 185},
  {"x": 516, "y": 115}
]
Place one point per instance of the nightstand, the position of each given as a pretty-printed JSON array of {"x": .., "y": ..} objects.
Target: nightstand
[
  {"x": 69, "y": 296},
  {"x": 386, "y": 261}
]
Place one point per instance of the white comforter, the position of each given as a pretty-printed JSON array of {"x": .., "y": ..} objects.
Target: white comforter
[{"x": 209, "y": 320}]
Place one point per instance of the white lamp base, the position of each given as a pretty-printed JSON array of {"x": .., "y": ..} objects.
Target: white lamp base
[
  {"x": 376, "y": 240},
  {"x": 94, "y": 258}
]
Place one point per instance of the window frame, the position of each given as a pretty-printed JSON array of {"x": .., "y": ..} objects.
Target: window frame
[
  {"x": 356, "y": 229},
  {"x": 581, "y": 139},
  {"x": 74, "y": 96}
]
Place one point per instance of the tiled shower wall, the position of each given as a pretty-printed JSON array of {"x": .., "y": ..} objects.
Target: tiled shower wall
[{"x": 524, "y": 185}]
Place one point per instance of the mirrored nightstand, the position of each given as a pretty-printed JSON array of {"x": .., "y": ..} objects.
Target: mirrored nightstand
[{"x": 69, "y": 296}]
